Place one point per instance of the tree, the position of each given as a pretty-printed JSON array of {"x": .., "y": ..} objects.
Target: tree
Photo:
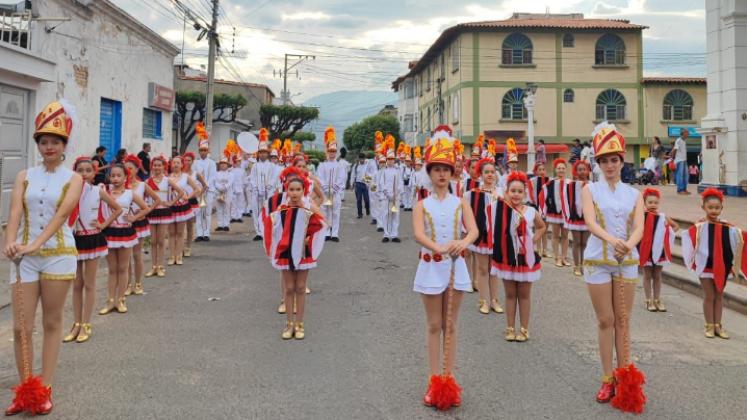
[
  {"x": 280, "y": 119},
  {"x": 300, "y": 137},
  {"x": 190, "y": 106},
  {"x": 319, "y": 155},
  {"x": 361, "y": 135}
]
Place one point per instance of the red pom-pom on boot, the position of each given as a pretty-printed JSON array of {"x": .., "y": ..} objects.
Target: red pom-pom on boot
[
  {"x": 630, "y": 396},
  {"x": 445, "y": 392},
  {"x": 32, "y": 397}
]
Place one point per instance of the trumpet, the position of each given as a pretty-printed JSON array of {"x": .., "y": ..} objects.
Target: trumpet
[
  {"x": 203, "y": 203},
  {"x": 367, "y": 179},
  {"x": 328, "y": 202},
  {"x": 394, "y": 208},
  {"x": 222, "y": 197}
]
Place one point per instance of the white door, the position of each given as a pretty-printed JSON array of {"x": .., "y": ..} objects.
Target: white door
[{"x": 14, "y": 135}]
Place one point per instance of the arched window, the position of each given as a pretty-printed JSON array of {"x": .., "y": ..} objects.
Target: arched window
[
  {"x": 678, "y": 106},
  {"x": 569, "y": 96},
  {"x": 611, "y": 106},
  {"x": 609, "y": 51},
  {"x": 517, "y": 49},
  {"x": 569, "y": 41},
  {"x": 455, "y": 108},
  {"x": 512, "y": 107}
]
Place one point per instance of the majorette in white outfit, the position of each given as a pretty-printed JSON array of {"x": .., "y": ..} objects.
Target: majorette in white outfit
[
  {"x": 514, "y": 257},
  {"x": 551, "y": 198},
  {"x": 89, "y": 240},
  {"x": 161, "y": 215},
  {"x": 262, "y": 180},
  {"x": 182, "y": 209},
  {"x": 207, "y": 168},
  {"x": 332, "y": 177},
  {"x": 121, "y": 233},
  {"x": 142, "y": 226}
]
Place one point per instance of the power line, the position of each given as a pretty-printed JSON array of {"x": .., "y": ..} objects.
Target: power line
[{"x": 257, "y": 9}]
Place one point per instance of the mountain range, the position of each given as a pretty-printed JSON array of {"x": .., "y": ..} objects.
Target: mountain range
[{"x": 344, "y": 108}]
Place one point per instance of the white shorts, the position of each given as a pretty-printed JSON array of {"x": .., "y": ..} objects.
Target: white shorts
[
  {"x": 604, "y": 273},
  {"x": 33, "y": 269}
]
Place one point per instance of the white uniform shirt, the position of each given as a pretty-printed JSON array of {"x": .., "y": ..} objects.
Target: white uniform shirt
[
  {"x": 332, "y": 177},
  {"x": 615, "y": 212},
  {"x": 261, "y": 178},
  {"x": 359, "y": 171},
  {"x": 206, "y": 168}
]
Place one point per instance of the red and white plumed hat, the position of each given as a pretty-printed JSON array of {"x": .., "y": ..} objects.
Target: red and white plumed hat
[
  {"x": 264, "y": 145},
  {"x": 329, "y": 139},
  {"x": 607, "y": 140}
]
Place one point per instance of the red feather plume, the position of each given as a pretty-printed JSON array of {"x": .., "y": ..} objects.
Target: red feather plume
[
  {"x": 31, "y": 394},
  {"x": 712, "y": 192},
  {"x": 629, "y": 391}
]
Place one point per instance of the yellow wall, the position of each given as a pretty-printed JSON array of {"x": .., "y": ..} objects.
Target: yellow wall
[
  {"x": 654, "y": 100},
  {"x": 578, "y": 62}
]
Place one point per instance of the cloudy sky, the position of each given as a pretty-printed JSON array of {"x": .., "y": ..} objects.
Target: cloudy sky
[{"x": 365, "y": 45}]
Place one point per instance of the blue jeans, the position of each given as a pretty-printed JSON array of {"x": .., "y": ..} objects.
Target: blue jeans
[
  {"x": 681, "y": 176},
  {"x": 361, "y": 193}
]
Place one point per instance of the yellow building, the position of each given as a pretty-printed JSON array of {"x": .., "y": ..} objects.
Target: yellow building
[{"x": 587, "y": 71}]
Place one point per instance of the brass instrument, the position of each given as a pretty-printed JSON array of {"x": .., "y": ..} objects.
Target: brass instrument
[
  {"x": 394, "y": 208},
  {"x": 328, "y": 202},
  {"x": 367, "y": 179},
  {"x": 222, "y": 197},
  {"x": 203, "y": 203}
]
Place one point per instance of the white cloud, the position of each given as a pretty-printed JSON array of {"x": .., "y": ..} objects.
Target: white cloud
[{"x": 307, "y": 16}]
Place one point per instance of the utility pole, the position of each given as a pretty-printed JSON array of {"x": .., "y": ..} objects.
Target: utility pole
[
  {"x": 213, "y": 39},
  {"x": 284, "y": 74}
]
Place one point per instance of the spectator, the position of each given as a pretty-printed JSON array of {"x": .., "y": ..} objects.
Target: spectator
[
  {"x": 575, "y": 152},
  {"x": 586, "y": 152},
  {"x": 144, "y": 156},
  {"x": 103, "y": 166},
  {"x": 694, "y": 174},
  {"x": 679, "y": 154},
  {"x": 121, "y": 155},
  {"x": 174, "y": 151},
  {"x": 659, "y": 154},
  {"x": 541, "y": 155}
]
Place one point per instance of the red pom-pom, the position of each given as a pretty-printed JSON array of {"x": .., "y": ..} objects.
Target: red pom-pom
[
  {"x": 31, "y": 395},
  {"x": 712, "y": 192},
  {"x": 651, "y": 191},
  {"x": 558, "y": 161},
  {"x": 445, "y": 391},
  {"x": 629, "y": 393}
]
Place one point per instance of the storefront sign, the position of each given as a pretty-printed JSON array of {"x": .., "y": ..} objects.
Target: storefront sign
[
  {"x": 505, "y": 134},
  {"x": 675, "y": 131},
  {"x": 160, "y": 97}
]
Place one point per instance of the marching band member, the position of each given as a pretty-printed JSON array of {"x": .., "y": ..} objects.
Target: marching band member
[
  {"x": 517, "y": 231},
  {"x": 574, "y": 215},
  {"x": 421, "y": 189},
  {"x": 512, "y": 160},
  {"x": 442, "y": 275},
  {"x": 260, "y": 179},
  {"x": 379, "y": 203},
  {"x": 41, "y": 202},
  {"x": 474, "y": 174},
  {"x": 161, "y": 216},
  {"x": 534, "y": 186},
  {"x": 361, "y": 178},
  {"x": 246, "y": 165},
  {"x": 482, "y": 199},
  {"x": 182, "y": 209},
  {"x": 142, "y": 227},
  {"x": 294, "y": 240},
  {"x": 88, "y": 221},
  {"x": 189, "y": 159},
  {"x": 390, "y": 189},
  {"x": 332, "y": 176},
  {"x": 224, "y": 187},
  {"x": 614, "y": 215},
  {"x": 346, "y": 167},
  {"x": 207, "y": 169},
  {"x": 551, "y": 205},
  {"x": 715, "y": 251},
  {"x": 408, "y": 192},
  {"x": 655, "y": 249},
  {"x": 457, "y": 179},
  {"x": 238, "y": 205},
  {"x": 375, "y": 165},
  {"x": 120, "y": 237}
]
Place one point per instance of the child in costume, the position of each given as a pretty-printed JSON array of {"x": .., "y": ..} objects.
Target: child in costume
[
  {"x": 182, "y": 209},
  {"x": 442, "y": 275},
  {"x": 534, "y": 187},
  {"x": 573, "y": 213},
  {"x": 518, "y": 229},
  {"x": 482, "y": 200},
  {"x": 551, "y": 204},
  {"x": 655, "y": 249},
  {"x": 294, "y": 238},
  {"x": 161, "y": 216},
  {"x": 88, "y": 221},
  {"x": 715, "y": 251},
  {"x": 224, "y": 187}
]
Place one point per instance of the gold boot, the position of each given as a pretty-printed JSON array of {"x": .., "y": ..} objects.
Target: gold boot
[
  {"x": 82, "y": 338},
  {"x": 577, "y": 271},
  {"x": 138, "y": 289},
  {"x": 510, "y": 336},
  {"x": 483, "y": 306},
  {"x": 107, "y": 310},
  {"x": 128, "y": 291},
  {"x": 308, "y": 291},
  {"x": 71, "y": 337},
  {"x": 709, "y": 332},
  {"x": 187, "y": 252},
  {"x": 121, "y": 307},
  {"x": 524, "y": 335},
  {"x": 723, "y": 333},
  {"x": 300, "y": 333},
  {"x": 661, "y": 308},
  {"x": 495, "y": 306},
  {"x": 161, "y": 271},
  {"x": 288, "y": 331},
  {"x": 152, "y": 272}
]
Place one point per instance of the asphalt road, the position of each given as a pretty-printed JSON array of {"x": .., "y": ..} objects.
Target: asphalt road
[{"x": 179, "y": 355}]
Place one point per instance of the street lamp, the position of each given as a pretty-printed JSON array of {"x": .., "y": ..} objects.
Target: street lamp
[{"x": 529, "y": 97}]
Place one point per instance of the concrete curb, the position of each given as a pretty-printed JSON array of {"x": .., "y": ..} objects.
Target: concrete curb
[{"x": 687, "y": 283}]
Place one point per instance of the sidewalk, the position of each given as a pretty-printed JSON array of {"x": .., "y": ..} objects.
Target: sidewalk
[{"x": 687, "y": 207}]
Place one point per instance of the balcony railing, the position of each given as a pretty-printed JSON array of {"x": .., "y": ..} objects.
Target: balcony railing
[{"x": 15, "y": 28}]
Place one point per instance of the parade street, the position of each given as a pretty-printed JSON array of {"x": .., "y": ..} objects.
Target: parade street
[{"x": 205, "y": 343}]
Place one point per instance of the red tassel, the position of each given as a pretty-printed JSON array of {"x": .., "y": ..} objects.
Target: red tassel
[
  {"x": 445, "y": 391},
  {"x": 31, "y": 395},
  {"x": 629, "y": 396}
]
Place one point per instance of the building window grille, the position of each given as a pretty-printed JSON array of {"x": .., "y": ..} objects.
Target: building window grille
[
  {"x": 512, "y": 107},
  {"x": 517, "y": 50},
  {"x": 609, "y": 51},
  {"x": 569, "y": 96},
  {"x": 152, "y": 124},
  {"x": 569, "y": 41},
  {"x": 611, "y": 106},
  {"x": 678, "y": 106}
]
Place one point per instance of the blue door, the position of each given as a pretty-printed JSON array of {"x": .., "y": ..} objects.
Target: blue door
[{"x": 110, "y": 128}]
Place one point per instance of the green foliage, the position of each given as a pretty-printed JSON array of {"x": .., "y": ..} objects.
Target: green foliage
[
  {"x": 370, "y": 154},
  {"x": 300, "y": 137},
  {"x": 315, "y": 162},
  {"x": 228, "y": 105},
  {"x": 279, "y": 119},
  {"x": 361, "y": 135},
  {"x": 318, "y": 155}
]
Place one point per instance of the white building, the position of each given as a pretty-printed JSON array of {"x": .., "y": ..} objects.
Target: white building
[
  {"x": 113, "y": 69},
  {"x": 407, "y": 110},
  {"x": 724, "y": 129}
]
